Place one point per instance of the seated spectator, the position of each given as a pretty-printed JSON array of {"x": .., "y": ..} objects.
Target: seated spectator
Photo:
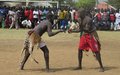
[
  {"x": 73, "y": 25},
  {"x": 27, "y": 23}
]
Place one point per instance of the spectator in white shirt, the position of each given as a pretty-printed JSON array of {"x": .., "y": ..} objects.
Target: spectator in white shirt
[
  {"x": 117, "y": 21},
  {"x": 35, "y": 16},
  {"x": 26, "y": 23}
]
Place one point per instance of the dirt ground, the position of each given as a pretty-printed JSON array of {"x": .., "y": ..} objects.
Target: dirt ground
[{"x": 63, "y": 54}]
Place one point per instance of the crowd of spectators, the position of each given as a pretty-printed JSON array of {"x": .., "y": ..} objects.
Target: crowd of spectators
[
  {"x": 29, "y": 17},
  {"x": 108, "y": 19},
  {"x": 22, "y": 17}
]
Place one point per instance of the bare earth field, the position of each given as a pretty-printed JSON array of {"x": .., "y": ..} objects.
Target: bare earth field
[{"x": 63, "y": 54}]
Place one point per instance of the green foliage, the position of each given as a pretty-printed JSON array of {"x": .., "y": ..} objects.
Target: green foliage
[
  {"x": 85, "y": 3},
  {"x": 115, "y": 3}
]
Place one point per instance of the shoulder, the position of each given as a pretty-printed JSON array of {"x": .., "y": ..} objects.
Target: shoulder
[{"x": 45, "y": 22}]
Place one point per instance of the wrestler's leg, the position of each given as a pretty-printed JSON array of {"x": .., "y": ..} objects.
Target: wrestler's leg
[
  {"x": 46, "y": 56},
  {"x": 98, "y": 57},
  {"x": 80, "y": 55},
  {"x": 26, "y": 56}
]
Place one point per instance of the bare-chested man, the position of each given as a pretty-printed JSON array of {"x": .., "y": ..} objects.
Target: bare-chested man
[
  {"x": 34, "y": 37},
  {"x": 89, "y": 39}
]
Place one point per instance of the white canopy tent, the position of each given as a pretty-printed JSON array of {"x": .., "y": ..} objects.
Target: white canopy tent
[
  {"x": 35, "y": 2},
  {"x": 46, "y": 4}
]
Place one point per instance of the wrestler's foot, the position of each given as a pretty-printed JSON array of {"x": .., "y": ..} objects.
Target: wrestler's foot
[
  {"x": 21, "y": 67},
  {"x": 101, "y": 70},
  {"x": 78, "y": 68}
]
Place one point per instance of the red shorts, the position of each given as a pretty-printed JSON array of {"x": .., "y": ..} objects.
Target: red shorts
[{"x": 88, "y": 42}]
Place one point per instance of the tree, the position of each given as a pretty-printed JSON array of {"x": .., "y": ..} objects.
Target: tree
[
  {"x": 115, "y": 3},
  {"x": 85, "y": 3}
]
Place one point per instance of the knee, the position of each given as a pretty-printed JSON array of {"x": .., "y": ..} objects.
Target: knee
[
  {"x": 47, "y": 54},
  {"x": 45, "y": 50},
  {"x": 27, "y": 53},
  {"x": 97, "y": 54},
  {"x": 80, "y": 50}
]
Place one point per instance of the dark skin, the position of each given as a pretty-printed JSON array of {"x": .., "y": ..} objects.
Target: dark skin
[
  {"x": 97, "y": 54},
  {"x": 80, "y": 56},
  {"x": 84, "y": 23},
  {"x": 44, "y": 26}
]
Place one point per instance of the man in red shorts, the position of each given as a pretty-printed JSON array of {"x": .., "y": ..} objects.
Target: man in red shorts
[{"x": 89, "y": 39}]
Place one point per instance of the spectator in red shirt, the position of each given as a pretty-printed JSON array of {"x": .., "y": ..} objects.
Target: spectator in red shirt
[{"x": 26, "y": 13}]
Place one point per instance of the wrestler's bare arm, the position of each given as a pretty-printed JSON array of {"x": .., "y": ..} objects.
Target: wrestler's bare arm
[
  {"x": 50, "y": 33},
  {"x": 95, "y": 35},
  {"x": 74, "y": 31}
]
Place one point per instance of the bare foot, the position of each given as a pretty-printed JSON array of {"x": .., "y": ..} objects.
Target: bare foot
[
  {"x": 21, "y": 67},
  {"x": 101, "y": 70}
]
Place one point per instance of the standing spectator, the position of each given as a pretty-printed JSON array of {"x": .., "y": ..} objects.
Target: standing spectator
[
  {"x": 117, "y": 21},
  {"x": 98, "y": 19},
  {"x": 35, "y": 17},
  {"x": 21, "y": 16},
  {"x": 12, "y": 16},
  {"x": 7, "y": 22},
  {"x": 31, "y": 15},
  {"x": 61, "y": 17},
  {"x": 40, "y": 14},
  {"x": 3, "y": 13},
  {"x": 45, "y": 11},
  {"x": 55, "y": 12},
  {"x": 64, "y": 21},
  {"x": 75, "y": 15},
  {"x": 112, "y": 19},
  {"x": 72, "y": 11},
  {"x": 105, "y": 17},
  {"x": 26, "y": 12}
]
